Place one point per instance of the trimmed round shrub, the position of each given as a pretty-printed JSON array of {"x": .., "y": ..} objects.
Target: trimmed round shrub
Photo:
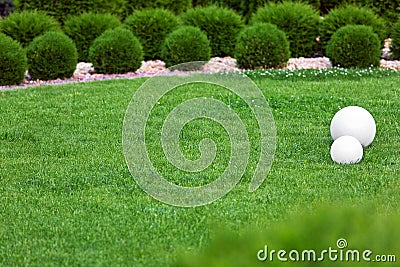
[
  {"x": 176, "y": 6},
  {"x": 221, "y": 25},
  {"x": 13, "y": 61},
  {"x": 51, "y": 56},
  {"x": 185, "y": 44},
  {"x": 151, "y": 27},
  {"x": 6, "y": 7},
  {"x": 26, "y": 25},
  {"x": 347, "y": 15},
  {"x": 262, "y": 45},
  {"x": 395, "y": 45},
  {"x": 354, "y": 46},
  {"x": 85, "y": 28},
  {"x": 299, "y": 21},
  {"x": 63, "y": 9},
  {"x": 116, "y": 51}
]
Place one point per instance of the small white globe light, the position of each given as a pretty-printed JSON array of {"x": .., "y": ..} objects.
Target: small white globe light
[
  {"x": 354, "y": 121},
  {"x": 346, "y": 150}
]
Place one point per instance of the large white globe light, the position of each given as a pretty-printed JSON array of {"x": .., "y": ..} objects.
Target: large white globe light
[{"x": 354, "y": 121}]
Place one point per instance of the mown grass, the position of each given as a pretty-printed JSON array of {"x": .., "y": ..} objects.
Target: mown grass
[{"x": 68, "y": 199}]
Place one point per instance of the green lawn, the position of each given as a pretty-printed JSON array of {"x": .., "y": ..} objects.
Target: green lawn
[{"x": 68, "y": 199}]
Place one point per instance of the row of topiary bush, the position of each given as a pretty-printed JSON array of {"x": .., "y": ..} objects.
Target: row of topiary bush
[
  {"x": 300, "y": 22},
  {"x": 264, "y": 45},
  {"x": 54, "y": 55},
  {"x": 63, "y": 9},
  {"x": 219, "y": 31},
  {"x": 261, "y": 45}
]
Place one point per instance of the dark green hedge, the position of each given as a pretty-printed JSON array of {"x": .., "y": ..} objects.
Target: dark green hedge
[
  {"x": 26, "y": 25},
  {"x": 395, "y": 45},
  {"x": 176, "y": 6},
  {"x": 62, "y": 9}
]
